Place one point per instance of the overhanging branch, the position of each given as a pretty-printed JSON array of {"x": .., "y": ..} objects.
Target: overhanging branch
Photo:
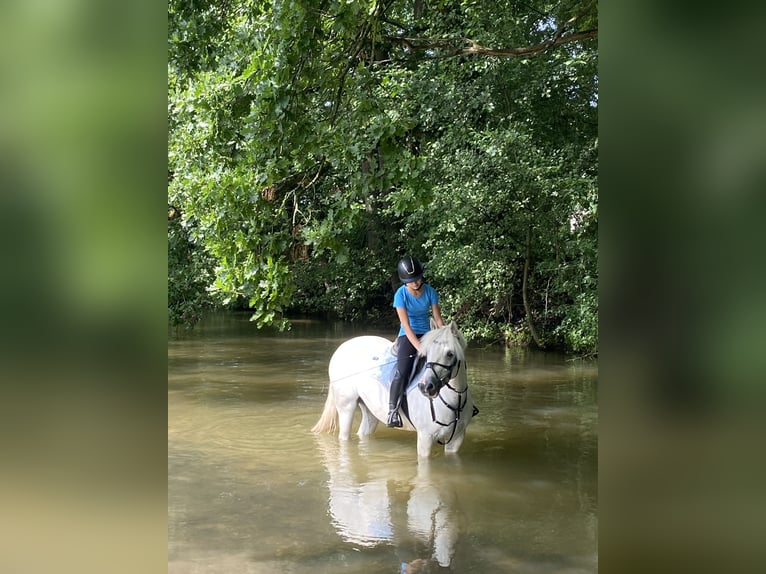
[
  {"x": 447, "y": 48},
  {"x": 527, "y": 51}
]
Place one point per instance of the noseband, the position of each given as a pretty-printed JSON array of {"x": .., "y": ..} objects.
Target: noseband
[{"x": 444, "y": 379}]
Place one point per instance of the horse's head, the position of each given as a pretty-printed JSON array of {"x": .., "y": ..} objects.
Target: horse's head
[{"x": 444, "y": 352}]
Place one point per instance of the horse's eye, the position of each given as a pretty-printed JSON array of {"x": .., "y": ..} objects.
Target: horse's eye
[{"x": 450, "y": 354}]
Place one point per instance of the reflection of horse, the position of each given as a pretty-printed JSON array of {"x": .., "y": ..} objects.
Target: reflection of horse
[
  {"x": 379, "y": 500},
  {"x": 431, "y": 516},
  {"x": 439, "y": 410}
]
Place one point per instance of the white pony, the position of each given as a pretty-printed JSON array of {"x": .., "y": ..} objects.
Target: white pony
[{"x": 439, "y": 405}]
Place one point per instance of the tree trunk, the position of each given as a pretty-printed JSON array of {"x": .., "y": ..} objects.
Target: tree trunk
[{"x": 527, "y": 310}]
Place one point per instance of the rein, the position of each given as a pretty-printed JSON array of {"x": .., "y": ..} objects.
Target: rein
[{"x": 462, "y": 397}]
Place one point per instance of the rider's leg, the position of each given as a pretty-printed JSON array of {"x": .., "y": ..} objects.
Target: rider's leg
[
  {"x": 405, "y": 356},
  {"x": 395, "y": 400}
]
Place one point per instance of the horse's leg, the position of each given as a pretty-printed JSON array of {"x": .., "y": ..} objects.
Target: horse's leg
[
  {"x": 424, "y": 444},
  {"x": 345, "y": 418},
  {"x": 454, "y": 445},
  {"x": 369, "y": 422},
  {"x": 345, "y": 402}
]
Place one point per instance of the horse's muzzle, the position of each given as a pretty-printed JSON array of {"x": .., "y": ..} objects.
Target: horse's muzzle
[{"x": 429, "y": 385}]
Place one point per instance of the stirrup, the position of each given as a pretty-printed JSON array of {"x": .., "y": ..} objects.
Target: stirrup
[{"x": 394, "y": 420}]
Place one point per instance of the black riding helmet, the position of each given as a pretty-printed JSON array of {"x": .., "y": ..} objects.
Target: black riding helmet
[{"x": 409, "y": 269}]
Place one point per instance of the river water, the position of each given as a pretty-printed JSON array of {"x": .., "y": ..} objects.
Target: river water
[{"x": 252, "y": 490}]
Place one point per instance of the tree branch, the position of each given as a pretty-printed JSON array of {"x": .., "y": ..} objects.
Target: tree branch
[
  {"x": 528, "y": 50},
  {"x": 393, "y": 22},
  {"x": 448, "y": 45},
  {"x": 527, "y": 308}
]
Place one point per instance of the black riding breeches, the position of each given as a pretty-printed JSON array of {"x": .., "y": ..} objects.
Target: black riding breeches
[{"x": 405, "y": 357}]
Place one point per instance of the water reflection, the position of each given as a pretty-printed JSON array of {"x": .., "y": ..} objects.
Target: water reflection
[
  {"x": 359, "y": 505},
  {"x": 432, "y": 515},
  {"x": 378, "y": 499}
]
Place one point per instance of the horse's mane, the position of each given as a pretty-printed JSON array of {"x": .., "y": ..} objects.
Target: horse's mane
[{"x": 444, "y": 336}]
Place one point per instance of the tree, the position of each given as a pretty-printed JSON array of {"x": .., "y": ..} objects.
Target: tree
[{"x": 312, "y": 143}]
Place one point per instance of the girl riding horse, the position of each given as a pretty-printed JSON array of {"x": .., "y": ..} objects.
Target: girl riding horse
[{"x": 413, "y": 301}]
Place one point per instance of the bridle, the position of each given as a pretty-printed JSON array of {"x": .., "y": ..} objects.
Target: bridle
[{"x": 462, "y": 396}]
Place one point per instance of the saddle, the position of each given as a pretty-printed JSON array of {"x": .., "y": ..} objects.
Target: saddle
[{"x": 417, "y": 366}]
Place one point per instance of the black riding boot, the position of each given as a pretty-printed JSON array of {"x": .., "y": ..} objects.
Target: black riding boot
[{"x": 395, "y": 399}]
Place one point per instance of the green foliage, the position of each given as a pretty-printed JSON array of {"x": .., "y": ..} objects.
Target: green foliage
[
  {"x": 189, "y": 274},
  {"x": 313, "y": 143},
  {"x": 358, "y": 291}
]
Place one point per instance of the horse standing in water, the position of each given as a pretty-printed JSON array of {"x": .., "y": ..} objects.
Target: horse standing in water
[{"x": 438, "y": 402}]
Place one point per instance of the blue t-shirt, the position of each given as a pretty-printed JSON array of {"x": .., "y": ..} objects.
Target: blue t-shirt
[{"x": 418, "y": 308}]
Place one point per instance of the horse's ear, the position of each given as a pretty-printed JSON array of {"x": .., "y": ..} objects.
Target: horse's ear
[
  {"x": 453, "y": 327},
  {"x": 433, "y": 324}
]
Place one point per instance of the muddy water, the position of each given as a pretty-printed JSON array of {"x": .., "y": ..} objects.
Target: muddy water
[{"x": 252, "y": 490}]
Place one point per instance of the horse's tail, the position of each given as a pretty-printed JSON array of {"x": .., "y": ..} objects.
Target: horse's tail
[{"x": 328, "y": 422}]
